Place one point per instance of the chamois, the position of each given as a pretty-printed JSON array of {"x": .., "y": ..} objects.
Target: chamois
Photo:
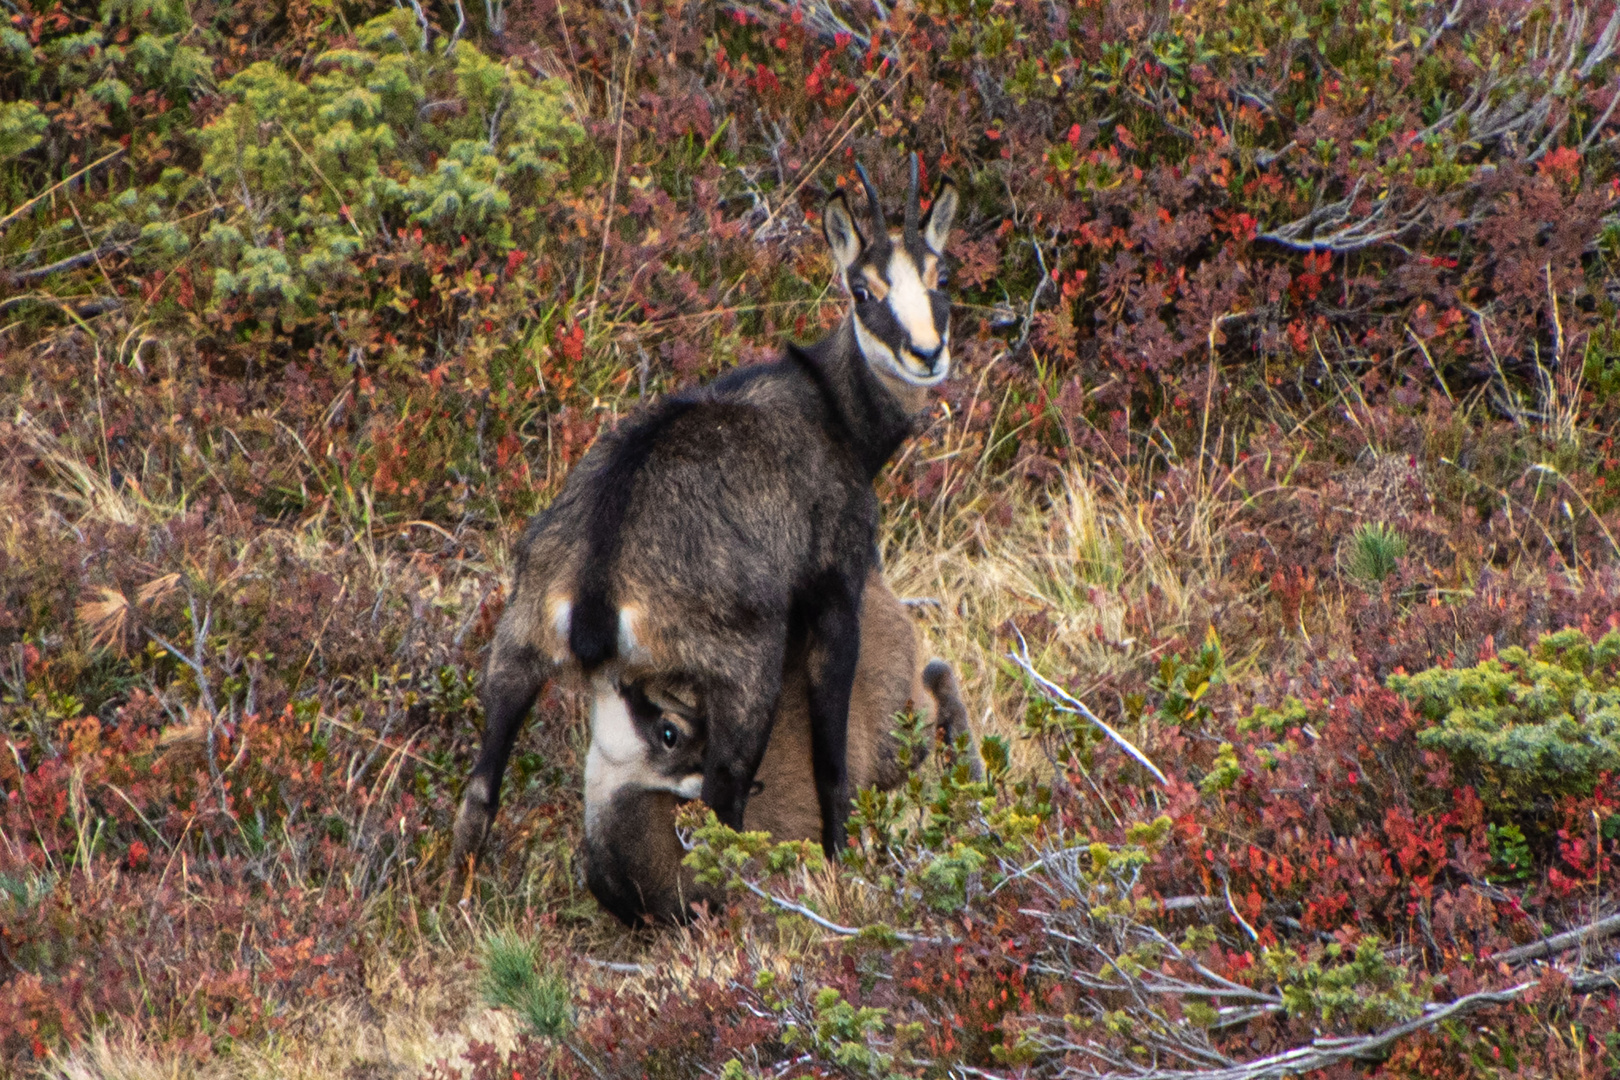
[
  {"x": 632, "y": 853},
  {"x": 704, "y": 537}
]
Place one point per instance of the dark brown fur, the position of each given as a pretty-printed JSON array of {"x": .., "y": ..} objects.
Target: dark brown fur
[{"x": 716, "y": 534}]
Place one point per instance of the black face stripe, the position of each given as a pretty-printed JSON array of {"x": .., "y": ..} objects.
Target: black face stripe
[
  {"x": 875, "y": 313},
  {"x": 879, "y": 320},
  {"x": 642, "y": 708},
  {"x": 685, "y": 754},
  {"x": 875, "y": 257}
]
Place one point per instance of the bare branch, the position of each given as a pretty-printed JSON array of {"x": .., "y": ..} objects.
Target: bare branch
[
  {"x": 1330, "y": 227},
  {"x": 1069, "y": 703},
  {"x": 72, "y": 262},
  {"x": 828, "y": 924},
  {"x": 1560, "y": 942},
  {"x": 1321, "y": 1053}
]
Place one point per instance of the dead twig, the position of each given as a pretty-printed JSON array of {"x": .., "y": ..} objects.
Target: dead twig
[
  {"x": 618, "y": 160},
  {"x": 828, "y": 924},
  {"x": 1335, "y": 226},
  {"x": 1560, "y": 942},
  {"x": 72, "y": 262},
  {"x": 1068, "y": 703},
  {"x": 1318, "y": 1054}
]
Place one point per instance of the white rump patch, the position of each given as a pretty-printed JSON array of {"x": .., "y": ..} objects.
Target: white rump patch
[
  {"x": 562, "y": 618},
  {"x": 629, "y": 645}
]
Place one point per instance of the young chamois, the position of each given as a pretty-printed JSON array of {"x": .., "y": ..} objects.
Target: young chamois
[
  {"x": 632, "y": 853},
  {"x": 704, "y": 538}
]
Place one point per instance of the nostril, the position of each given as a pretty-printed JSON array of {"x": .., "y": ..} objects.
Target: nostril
[{"x": 928, "y": 356}]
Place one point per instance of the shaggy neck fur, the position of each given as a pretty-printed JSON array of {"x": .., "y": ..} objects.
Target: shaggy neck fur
[{"x": 873, "y": 411}]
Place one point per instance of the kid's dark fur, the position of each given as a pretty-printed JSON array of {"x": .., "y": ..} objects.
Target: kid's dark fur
[{"x": 633, "y": 857}]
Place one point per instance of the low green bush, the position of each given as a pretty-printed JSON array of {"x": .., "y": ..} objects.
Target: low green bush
[
  {"x": 1527, "y": 726},
  {"x": 385, "y": 136},
  {"x": 1366, "y": 990}
]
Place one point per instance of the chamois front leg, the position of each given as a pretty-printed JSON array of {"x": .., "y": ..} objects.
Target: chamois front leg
[
  {"x": 742, "y": 710},
  {"x": 835, "y": 647},
  {"x": 512, "y": 681}
]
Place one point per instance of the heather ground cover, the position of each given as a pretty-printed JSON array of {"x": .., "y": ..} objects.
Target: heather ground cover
[{"x": 1282, "y": 443}]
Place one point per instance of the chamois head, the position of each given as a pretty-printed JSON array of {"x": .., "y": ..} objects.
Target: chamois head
[
  {"x": 896, "y": 280},
  {"x": 644, "y": 736}
]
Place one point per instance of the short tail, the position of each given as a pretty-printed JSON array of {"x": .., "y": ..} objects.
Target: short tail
[
  {"x": 593, "y": 626},
  {"x": 950, "y": 715},
  {"x": 593, "y": 629},
  {"x": 593, "y": 622}
]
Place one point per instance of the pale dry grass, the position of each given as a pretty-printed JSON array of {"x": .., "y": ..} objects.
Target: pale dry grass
[
  {"x": 80, "y": 485},
  {"x": 1066, "y": 569},
  {"x": 400, "y": 1031},
  {"x": 1067, "y": 565}
]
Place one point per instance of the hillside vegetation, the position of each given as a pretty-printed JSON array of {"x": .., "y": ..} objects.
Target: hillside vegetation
[{"x": 1270, "y": 519}]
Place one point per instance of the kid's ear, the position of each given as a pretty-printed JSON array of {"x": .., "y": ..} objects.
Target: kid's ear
[
  {"x": 843, "y": 236},
  {"x": 937, "y": 227}
]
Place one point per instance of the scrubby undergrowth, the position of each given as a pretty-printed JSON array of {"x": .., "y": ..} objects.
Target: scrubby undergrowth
[{"x": 1282, "y": 436}]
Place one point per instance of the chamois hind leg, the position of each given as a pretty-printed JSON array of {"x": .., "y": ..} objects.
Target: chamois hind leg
[
  {"x": 835, "y": 646},
  {"x": 512, "y": 681},
  {"x": 950, "y": 715}
]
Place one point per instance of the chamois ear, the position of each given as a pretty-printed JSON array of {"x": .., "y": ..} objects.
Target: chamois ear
[
  {"x": 843, "y": 235},
  {"x": 936, "y": 227}
]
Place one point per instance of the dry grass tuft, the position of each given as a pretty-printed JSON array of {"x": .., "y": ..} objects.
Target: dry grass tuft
[
  {"x": 400, "y": 1028},
  {"x": 1068, "y": 567}
]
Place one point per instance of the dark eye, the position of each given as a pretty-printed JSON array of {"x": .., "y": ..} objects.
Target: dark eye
[
  {"x": 670, "y": 736},
  {"x": 860, "y": 293},
  {"x": 942, "y": 278}
]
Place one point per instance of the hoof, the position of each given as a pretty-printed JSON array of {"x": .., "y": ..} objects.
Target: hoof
[{"x": 472, "y": 826}]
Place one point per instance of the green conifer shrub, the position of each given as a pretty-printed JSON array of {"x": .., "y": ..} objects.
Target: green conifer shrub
[
  {"x": 382, "y": 139},
  {"x": 1529, "y": 725}
]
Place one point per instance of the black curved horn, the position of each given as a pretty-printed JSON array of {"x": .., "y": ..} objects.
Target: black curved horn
[
  {"x": 880, "y": 228},
  {"x": 912, "y": 209}
]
